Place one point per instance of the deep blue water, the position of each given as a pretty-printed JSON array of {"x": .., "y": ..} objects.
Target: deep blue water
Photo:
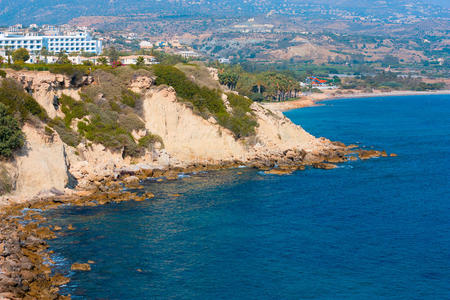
[{"x": 377, "y": 229}]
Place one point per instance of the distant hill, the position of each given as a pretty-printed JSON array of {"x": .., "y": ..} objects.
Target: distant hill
[{"x": 61, "y": 11}]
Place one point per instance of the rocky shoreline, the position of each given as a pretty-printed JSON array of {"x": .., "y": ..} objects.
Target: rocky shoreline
[
  {"x": 48, "y": 172},
  {"x": 25, "y": 261}
]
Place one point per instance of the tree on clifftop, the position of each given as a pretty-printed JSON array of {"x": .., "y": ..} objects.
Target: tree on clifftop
[
  {"x": 63, "y": 59},
  {"x": 11, "y": 136},
  {"x": 140, "y": 61},
  {"x": 112, "y": 54},
  {"x": 20, "y": 55},
  {"x": 102, "y": 60}
]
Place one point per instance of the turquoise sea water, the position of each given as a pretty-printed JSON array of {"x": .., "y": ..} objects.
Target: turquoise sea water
[{"x": 377, "y": 229}]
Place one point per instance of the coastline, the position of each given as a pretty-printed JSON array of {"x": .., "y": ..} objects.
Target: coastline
[
  {"x": 104, "y": 177},
  {"x": 316, "y": 98},
  {"x": 26, "y": 262}
]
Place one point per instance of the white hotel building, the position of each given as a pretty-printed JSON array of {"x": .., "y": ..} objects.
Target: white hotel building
[{"x": 80, "y": 42}]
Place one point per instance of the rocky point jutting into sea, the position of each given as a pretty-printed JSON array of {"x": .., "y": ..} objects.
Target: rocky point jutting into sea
[{"x": 48, "y": 172}]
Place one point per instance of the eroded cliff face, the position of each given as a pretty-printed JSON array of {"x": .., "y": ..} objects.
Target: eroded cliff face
[
  {"x": 47, "y": 165},
  {"x": 188, "y": 137},
  {"x": 41, "y": 164}
]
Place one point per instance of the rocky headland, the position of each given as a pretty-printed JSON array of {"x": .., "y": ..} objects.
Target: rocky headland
[{"x": 52, "y": 170}]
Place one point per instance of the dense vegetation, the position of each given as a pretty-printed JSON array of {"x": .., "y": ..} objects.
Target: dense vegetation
[
  {"x": 18, "y": 103},
  {"x": 208, "y": 102},
  {"x": 11, "y": 137},
  {"x": 260, "y": 86},
  {"x": 16, "y": 107}
]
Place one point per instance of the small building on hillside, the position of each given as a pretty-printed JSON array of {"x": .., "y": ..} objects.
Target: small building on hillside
[
  {"x": 188, "y": 54},
  {"x": 223, "y": 60},
  {"x": 132, "y": 59},
  {"x": 145, "y": 45}
]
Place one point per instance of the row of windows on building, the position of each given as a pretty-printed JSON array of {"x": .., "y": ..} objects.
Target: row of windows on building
[
  {"x": 72, "y": 44},
  {"x": 29, "y": 47},
  {"x": 67, "y": 40},
  {"x": 56, "y": 49},
  {"x": 13, "y": 42}
]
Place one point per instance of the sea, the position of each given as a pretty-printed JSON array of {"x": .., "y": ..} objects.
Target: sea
[{"x": 375, "y": 229}]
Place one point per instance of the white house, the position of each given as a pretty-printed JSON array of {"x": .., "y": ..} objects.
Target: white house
[
  {"x": 145, "y": 45},
  {"x": 188, "y": 54},
  {"x": 132, "y": 59},
  {"x": 223, "y": 60}
]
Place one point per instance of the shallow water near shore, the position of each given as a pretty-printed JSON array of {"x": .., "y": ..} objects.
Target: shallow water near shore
[{"x": 366, "y": 230}]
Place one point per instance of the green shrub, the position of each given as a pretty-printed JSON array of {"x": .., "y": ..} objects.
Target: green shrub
[
  {"x": 239, "y": 101},
  {"x": 11, "y": 136},
  {"x": 2, "y": 74},
  {"x": 66, "y": 134},
  {"x": 16, "y": 67},
  {"x": 149, "y": 140},
  {"x": 129, "y": 98},
  {"x": 114, "y": 106},
  {"x": 48, "y": 131},
  {"x": 109, "y": 134},
  {"x": 130, "y": 122},
  {"x": 72, "y": 109},
  {"x": 20, "y": 55},
  {"x": 6, "y": 182},
  {"x": 18, "y": 102},
  {"x": 34, "y": 108}
]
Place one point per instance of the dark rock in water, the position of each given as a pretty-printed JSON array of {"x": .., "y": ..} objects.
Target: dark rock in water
[
  {"x": 368, "y": 154},
  {"x": 324, "y": 166},
  {"x": 80, "y": 267}
]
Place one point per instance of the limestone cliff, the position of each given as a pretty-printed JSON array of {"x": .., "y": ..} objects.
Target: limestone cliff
[{"x": 47, "y": 165}]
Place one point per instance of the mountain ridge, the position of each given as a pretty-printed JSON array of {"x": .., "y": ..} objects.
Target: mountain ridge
[{"x": 56, "y": 12}]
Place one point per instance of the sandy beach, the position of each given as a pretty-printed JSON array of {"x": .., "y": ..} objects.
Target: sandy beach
[{"x": 314, "y": 99}]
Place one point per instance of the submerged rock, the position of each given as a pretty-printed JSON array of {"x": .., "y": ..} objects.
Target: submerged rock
[{"x": 279, "y": 172}]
